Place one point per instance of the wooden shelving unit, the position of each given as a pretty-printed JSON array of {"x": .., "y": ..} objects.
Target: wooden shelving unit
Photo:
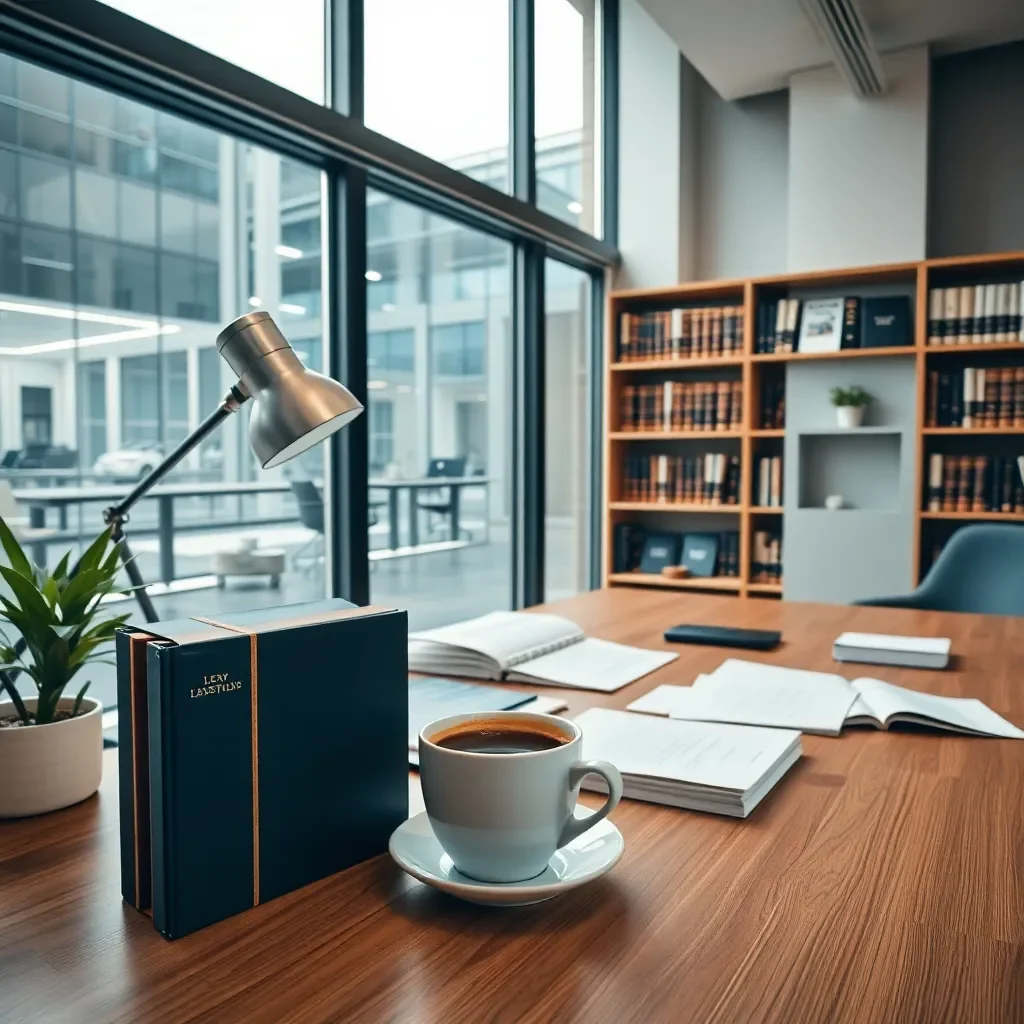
[{"x": 753, "y": 440}]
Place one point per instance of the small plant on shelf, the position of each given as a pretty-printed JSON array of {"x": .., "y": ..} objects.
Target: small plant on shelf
[{"x": 850, "y": 404}]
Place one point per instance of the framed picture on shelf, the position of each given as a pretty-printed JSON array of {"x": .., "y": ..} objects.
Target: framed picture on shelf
[{"x": 821, "y": 329}]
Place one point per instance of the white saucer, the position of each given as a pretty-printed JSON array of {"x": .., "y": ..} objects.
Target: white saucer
[{"x": 415, "y": 849}]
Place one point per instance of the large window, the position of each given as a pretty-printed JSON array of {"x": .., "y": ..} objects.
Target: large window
[
  {"x": 568, "y": 424},
  {"x": 283, "y": 42},
  {"x": 439, "y": 410},
  {"x": 437, "y": 80},
  {"x": 566, "y": 80},
  {"x": 123, "y": 251}
]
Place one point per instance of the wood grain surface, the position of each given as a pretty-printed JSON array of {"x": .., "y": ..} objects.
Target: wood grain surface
[{"x": 883, "y": 880}]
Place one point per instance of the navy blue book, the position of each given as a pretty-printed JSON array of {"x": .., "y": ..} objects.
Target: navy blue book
[
  {"x": 700, "y": 553},
  {"x": 660, "y": 550},
  {"x": 263, "y": 751}
]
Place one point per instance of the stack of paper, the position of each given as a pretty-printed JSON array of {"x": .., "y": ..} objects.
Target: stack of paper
[
  {"x": 751, "y": 693},
  {"x": 723, "y": 769},
  {"x": 881, "y": 649}
]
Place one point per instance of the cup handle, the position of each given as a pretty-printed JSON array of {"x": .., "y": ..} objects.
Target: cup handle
[{"x": 577, "y": 770}]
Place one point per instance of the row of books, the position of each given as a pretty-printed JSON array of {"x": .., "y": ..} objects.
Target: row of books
[
  {"x": 773, "y": 403},
  {"x": 766, "y": 557},
  {"x": 975, "y": 396},
  {"x": 829, "y": 325},
  {"x": 681, "y": 333},
  {"x": 714, "y": 405},
  {"x": 979, "y": 314},
  {"x": 768, "y": 481},
  {"x": 975, "y": 483},
  {"x": 703, "y": 554},
  {"x": 708, "y": 479}
]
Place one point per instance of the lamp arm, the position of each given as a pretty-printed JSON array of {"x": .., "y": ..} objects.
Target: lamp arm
[{"x": 117, "y": 514}]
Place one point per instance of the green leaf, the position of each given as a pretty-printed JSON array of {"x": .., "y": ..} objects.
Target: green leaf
[
  {"x": 78, "y": 699},
  {"x": 15, "y": 555},
  {"x": 31, "y": 601},
  {"x": 50, "y": 592},
  {"x": 62, "y": 567},
  {"x": 7, "y": 683},
  {"x": 94, "y": 552}
]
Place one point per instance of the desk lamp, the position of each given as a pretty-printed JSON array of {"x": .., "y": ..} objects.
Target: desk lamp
[{"x": 295, "y": 409}]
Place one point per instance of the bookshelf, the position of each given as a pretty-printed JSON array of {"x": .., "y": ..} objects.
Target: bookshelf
[{"x": 753, "y": 440}]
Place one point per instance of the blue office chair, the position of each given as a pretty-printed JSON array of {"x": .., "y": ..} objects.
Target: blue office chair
[{"x": 980, "y": 570}]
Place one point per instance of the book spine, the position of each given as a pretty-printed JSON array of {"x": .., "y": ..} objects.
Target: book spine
[
  {"x": 161, "y": 747},
  {"x": 934, "y": 482},
  {"x": 932, "y": 414},
  {"x": 950, "y": 316},
  {"x": 963, "y": 490},
  {"x": 968, "y": 406},
  {"x": 723, "y": 391},
  {"x": 991, "y": 393},
  {"x": 1002, "y": 332},
  {"x": 950, "y": 471},
  {"x": 1013, "y": 313},
  {"x": 936, "y": 325},
  {"x": 978, "y": 321},
  {"x": 978, "y": 492},
  {"x": 965, "y": 303},
  {"x": 851, "y": 323},
  {"x": 1005, "y": 405},
  {"x": 989, "y": 315},
  {"x": 736, "y": 406},
  {"x": 1018, "y": 396},
  {"x": 728, "y": 329}
]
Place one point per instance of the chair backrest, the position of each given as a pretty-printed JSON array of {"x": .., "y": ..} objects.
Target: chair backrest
[
  {"x": 454, "y": 467},
  {"x": 311, "y": 505},
  {"x": 980, "y": 570},
  {"x": 10, "y": 458}
]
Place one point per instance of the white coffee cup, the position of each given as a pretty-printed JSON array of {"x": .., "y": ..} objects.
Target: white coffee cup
[{"x": 501, "y": 817}]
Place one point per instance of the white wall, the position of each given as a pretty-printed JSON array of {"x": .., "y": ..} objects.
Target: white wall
[
  {"x": 742, "y": 184},
  {"x": 649, "y": 149},
  {"x": 858, "y": 168}
]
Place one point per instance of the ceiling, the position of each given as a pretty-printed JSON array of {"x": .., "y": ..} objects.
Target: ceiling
[{"x": 744, "y": 47}]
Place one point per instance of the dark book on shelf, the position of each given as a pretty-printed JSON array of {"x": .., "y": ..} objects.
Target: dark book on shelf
[
  {"x": 700, "y": 553},
  {"x": 851, "y": 323},
  {"x": 886, "y": 322},
  {"x": 660, "y": 550},
  {"x": 627, "y": 546}
]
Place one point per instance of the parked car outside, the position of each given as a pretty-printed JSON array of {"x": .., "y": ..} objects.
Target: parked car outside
[{"x": 132, "y": 462}]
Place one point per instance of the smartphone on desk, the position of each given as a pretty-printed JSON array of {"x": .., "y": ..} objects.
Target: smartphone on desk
[{"x": 724, "y": 636}]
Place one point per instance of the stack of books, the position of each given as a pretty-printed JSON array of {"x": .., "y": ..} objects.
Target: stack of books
[
  {"x": 976, "y": 396},
  {"x": 722, "y": 769},
  {"x": 714, "y": 405},
  {"x": 768, "y": 481},
  {"x": 778, "y": 326},
  {"x": 706, "y": 479},
  {"x": 681, "y": 333},
  {"x": 766, "y": 557},
  {"x": 773, "y": 404},
  {"x": 975, "y": 483},
  {"x": 976, "y": 314}
]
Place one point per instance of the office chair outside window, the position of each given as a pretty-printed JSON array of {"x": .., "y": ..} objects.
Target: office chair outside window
[
  {"x": 980, "y": 570},
  {"x": 439, "y": 502}
]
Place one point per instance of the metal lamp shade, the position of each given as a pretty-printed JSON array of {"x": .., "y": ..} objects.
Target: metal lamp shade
[{"x": 295, "y": 408}]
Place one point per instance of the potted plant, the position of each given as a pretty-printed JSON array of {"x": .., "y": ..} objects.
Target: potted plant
[
  {"x": 51, "y": 745},
  {"x": 850, "y": 404}
]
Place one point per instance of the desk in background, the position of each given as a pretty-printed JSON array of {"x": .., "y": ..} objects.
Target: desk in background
[{"x": 880, "y": 880}]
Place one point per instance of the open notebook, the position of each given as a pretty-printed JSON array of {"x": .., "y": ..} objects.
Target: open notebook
[
  {"x": 531, "y": 648},
  {"x": 749, "y": 693},
  {"x": 725, "y": 769}
]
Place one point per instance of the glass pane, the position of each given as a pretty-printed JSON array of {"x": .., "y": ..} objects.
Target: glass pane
[
  {"x": 437, "y": 80},
  {"x": 117, "y": 271},
  {"x": 249, "y": 35},
  {"x": 439, "y": 363},
  {"x": 565, "y": 74},
  {"x": 567, "y": 429}
]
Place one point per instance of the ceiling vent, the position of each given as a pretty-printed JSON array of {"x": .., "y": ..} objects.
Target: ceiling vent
[{"x": 846, "y": 33}]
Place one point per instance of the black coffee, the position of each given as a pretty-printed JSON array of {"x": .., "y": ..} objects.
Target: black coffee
[{"x": 498, "y": 739}]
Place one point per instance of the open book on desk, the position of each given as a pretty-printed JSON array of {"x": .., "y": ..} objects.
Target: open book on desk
[
  {"x": 753, "y": 694},
  {"x": 524, "y": 647},
  {"x": 724, "y": 769}
]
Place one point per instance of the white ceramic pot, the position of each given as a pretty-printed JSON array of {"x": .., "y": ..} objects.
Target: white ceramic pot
[
  {"x": 849, "y": 416},
  {"x": 46, "y": 767}
]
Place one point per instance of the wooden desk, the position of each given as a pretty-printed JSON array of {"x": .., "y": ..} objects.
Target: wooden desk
[{"x": 882, "y": 881}]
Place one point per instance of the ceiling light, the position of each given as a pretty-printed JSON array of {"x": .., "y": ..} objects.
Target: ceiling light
[
  {"x": 255, "y": 301},
  {"x": 575, "y": 207},
  {"x": 374, "y": 275},
  {"x": 67, "y": 344},
  {"x": 376, "y": 385},
  {"x": 289, "y": 252},
  {"x": 63, "y": 313},
  {"x": 388, "y": 307},
  {"x": 39, "y": 261},
  {"x": 291, "y": 307}
]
